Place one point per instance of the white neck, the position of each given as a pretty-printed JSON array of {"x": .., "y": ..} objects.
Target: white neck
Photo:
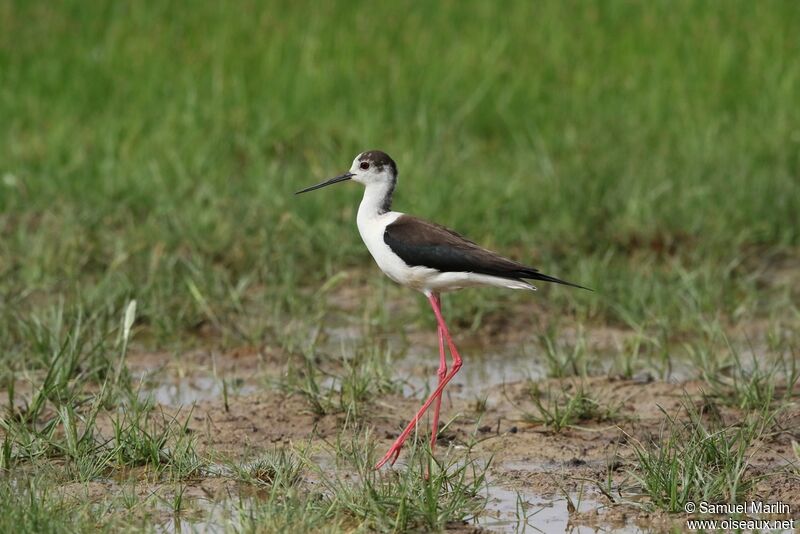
[{"x": 377, "y": 200}]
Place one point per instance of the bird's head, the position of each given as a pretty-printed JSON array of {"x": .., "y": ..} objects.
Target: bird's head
[{"x": 371, "y": 167}]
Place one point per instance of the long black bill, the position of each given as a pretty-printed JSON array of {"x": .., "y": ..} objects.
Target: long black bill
[{"x": 336, "y": 180}]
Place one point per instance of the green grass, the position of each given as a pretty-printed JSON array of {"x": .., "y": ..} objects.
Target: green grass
[
  {"x": 149, "y": 153},
  {"x": 31, "y": 507},
  {"x": 752, "y": 382},
  {"x": 405, "y": 500},
  {"x": 563, "y": 360},
  {"x": 342, "y": 382},
  {"x": 152, "y": 151},
  {"x": 569, "y": 407},
  {"x": 697, "y": 461}
]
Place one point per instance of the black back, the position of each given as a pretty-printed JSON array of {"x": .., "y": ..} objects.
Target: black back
[{"x": 424, "y": 244}]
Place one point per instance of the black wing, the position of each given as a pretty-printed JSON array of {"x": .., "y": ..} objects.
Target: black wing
[{"x": 425, "y": 244}]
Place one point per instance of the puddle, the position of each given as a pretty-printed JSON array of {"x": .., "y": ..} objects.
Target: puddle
[
  {"x": 477, "y": 376},
  {"x": 491, "y": 364},
  {"x": 187, "y": 390},
  {"x": 518, "y": 511},
  {"x": 217, "y": 519},
  {"x": 511, "y": 511},
  {"x": 487, "y": 367},
  {"x": 506, "y": 511}
]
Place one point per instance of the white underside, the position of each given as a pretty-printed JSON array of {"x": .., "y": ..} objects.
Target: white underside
[
  {"x": 442, "y": 282},
  {"x": 372, "y": 226}
]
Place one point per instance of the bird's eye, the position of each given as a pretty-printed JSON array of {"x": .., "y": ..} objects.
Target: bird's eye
[{"x": 365, "y": 165}]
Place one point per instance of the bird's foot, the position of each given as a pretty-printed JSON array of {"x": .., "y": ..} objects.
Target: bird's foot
[{"x": 392, "y": 454}]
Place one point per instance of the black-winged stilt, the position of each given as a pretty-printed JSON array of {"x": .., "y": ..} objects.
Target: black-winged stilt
[{"x": 427, "y": 257}]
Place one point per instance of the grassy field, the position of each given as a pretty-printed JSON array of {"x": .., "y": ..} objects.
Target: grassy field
[{"x": 149, "y": 152}]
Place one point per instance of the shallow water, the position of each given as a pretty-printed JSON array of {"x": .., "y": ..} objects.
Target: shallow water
[
  {"x": 514, "y": 511},
  {"x": 482, "y": 370},
  {"x": 187, "y": 390},
  {"x": 486, "y": 368},
  {"x": 506, "y": 511}
]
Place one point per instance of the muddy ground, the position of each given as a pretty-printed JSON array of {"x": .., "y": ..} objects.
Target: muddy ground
[
  {"x": 580, "y": 478},
  {"x": 589, "y": 465}
]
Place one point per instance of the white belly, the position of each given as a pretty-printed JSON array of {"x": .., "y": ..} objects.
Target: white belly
[{"x": 372, "y": 230}]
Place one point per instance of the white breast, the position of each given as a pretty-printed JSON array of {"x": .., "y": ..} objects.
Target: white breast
[{"x": 372, "y": 229}]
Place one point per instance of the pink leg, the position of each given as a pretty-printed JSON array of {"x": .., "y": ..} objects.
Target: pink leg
[
  {"x": 442, "y": 374},
  {"x": 394, "y": 450}
]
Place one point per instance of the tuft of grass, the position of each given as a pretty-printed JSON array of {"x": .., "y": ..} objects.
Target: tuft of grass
[
  {"x": 568, "y": 408},
  {"x": 282, "y": 468},
  {"x": 294, "y": 510},
  {"x": 564, "y": 360},
  {"x": 33, "y": 505},
  {"x": 692, "y": 461},
  {"x": 165, "y": 445},
  {"x": 75, "y": 351},
  {"x": 57, "y": 417},
  {"x": 355, "y": 378},
  {"x": 756, "y": 385},
  {"x": 480, "y": 404},
  {"x": 751, "y": 380},
  {"x": 351, "y": 495},
  {"x": 635, "y": 351},
  {"x": 422, "y": 494}
]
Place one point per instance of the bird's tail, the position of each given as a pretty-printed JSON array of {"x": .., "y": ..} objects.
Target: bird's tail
[{"x": 533, "y": 274}]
